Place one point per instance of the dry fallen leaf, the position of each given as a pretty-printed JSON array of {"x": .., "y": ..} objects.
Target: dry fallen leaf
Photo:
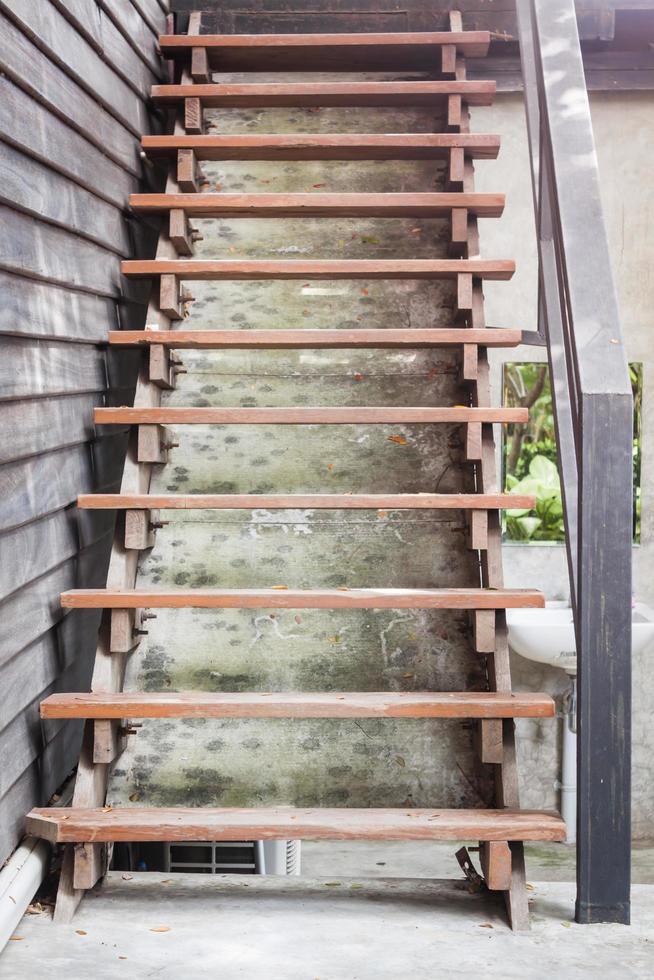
[
  {"x": 330, "y": 466},
  {"x": 358, "y": 377},
  {"x": 80, "y": 932},
  {"x": 399, "y": 440},
  {"x": 364, "y": 292},
  {"x": 106, "y": 809},
  {"x": 134, "y": 797},
  {"x": 16, "y": 939},
  {"x": 318, "y": 185},
  {"x": 485, "y": 925},
  {"x": 160, "y": 929},
  {"x": 127, "y": 877},
  {"x": 279, "y": 587}
]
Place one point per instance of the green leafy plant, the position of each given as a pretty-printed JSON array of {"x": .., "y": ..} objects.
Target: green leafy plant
[
  {"x": 530, "y": 454},
  {"x": 545, "y": 521}
]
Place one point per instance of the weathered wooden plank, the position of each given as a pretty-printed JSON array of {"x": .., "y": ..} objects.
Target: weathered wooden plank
[
  {"x": 341, "y": 205},
  {"x": 33, "y": 248},
  {"x": 184, "y": 823},
  {"x": 385, "y": 501},
  {"x": 42, "y": 135},
  {"x": 35, "y": 309},
  {"x": 328, "y": 415},
  {"x": 303, "y": 704},
  {"x": 62, "y": 42},
  {"x": 36, "y": 486},
  {"x": 36, "y": 189},
  {"x": 38, "y": 782},
  {"x": 153, "y": 15},
  {"x": 43, "y": 425},
  {"x": 27, "y": 735},
  {"x": 33, "y": 368},
  {"x": 315, "y": 339},
  {"x": 285, "y": 598},
  {"x": 126, "y": 19},
  {"x": 33, "y": 549},
  {"x": 210, "y": 269},
  {"x": 25, "y": 677},
  {"x": 406, "y": 51},
  {"x": 22, "y": 61},
  {"x": 29, "y": 613},
  {"x": 323, "y": 146},
  {"x": 252, "y": 95}
]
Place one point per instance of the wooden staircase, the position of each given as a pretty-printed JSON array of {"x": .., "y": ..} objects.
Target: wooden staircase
[{"x": 90, "y": 825}]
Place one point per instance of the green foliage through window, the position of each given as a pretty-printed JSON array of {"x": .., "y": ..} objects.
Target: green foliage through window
[{"x": 530, "y": 458}]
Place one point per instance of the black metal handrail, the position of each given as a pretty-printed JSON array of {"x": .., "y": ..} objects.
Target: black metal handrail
[{"x": 579, "y": 320}]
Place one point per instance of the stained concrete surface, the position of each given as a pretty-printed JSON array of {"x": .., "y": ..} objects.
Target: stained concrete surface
[
  {"x": 264, "y": 928},
  {"x": 252, "y": 762}
]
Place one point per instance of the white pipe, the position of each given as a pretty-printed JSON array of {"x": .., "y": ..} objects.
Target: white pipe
[
  {"x": 569, "y": 766},
  {"x": 19, "y": 880}
]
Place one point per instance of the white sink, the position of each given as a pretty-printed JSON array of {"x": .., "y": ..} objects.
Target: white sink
[{"x": 547, "y": 635}]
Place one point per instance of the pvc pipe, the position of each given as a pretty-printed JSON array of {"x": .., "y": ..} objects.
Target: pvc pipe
[
  {"x": 19, "y": 880},
  {"x": 569, "y": 767}
]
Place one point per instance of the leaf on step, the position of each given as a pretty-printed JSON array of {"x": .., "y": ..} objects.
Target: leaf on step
[
  {"x": 16, "y": 939},
  {"x": 279, "y": 587},
  {"x": 486, "y": 925},
  {"x": 369, "y": 240},
  {"x": 364, "y": 292},
  {"x": 160, "y": 929},
  {"x": 333, "y": 884},
  {"x": 107, "y": 809},
  {"x": 382, "y": 513},
  {"x": 400, "y": 761},
  {"x": 358, "y": 376},
  {"x": 80, "y": 932},
  {"x": 318, "y": 185},
  {"x": 134, "y": 797},
  {"x": 398, "y": 440},
  {"x": 342, "y": 588}
]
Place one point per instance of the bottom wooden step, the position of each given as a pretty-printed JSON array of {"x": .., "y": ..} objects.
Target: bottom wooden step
[{"x": 104, "y": 825}]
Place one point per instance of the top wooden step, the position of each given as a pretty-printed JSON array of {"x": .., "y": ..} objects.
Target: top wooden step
[
  {"x": 327, "y": 52},
  {"x": 323, "y": 146},
  {"x": 325, "y": 94}
]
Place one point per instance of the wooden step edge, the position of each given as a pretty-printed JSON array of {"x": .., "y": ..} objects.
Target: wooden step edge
[
  {"x": 318, "y": 94},
  {"x": 302, "y": 339},
  {"x": 190, "y": 704},
  {"x": 246, "y": 269},
  {"x": 469, "y": 43},
  {"x": 309, "y": 501},
  {"x": 323, "y": 146},
  {"x": 61, "y": 825},
  {"x": 281, "y": 597},
  {"x": 306, "y": 416},
  {"x": 346, "y": 205}
]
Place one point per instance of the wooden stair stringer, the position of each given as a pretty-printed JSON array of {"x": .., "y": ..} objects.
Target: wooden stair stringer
[
  {"x": 498, "y": 666},
  {"x": 84, "y": 864}
]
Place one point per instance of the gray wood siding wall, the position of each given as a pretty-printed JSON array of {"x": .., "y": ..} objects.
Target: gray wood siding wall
[{"x": 74, "y": 85}]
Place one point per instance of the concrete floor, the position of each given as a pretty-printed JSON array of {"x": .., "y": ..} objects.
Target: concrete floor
[
  {"x": 386, "y": 922},
  {"x": 322, "y": 929}
]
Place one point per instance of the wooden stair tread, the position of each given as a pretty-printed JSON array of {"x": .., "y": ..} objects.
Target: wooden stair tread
[
  {"x": 200, "y": 269},
  {"x": 282, "y": 597},
  {"x": 341, "y": 205},
  {"x": 325, "y": 52},
  {"x": 191, "y": 704},
  {"x": 71, "y": 825},
  {"x": 326, "y": 338},
  {"x": 324, "y": 146},
  {"x": 310, "y": 501},
  {"x": 327, "y": 415},
  {"x": 251, "y": 94}
]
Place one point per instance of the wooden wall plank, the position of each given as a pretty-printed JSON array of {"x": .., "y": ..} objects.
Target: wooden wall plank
[
  {"x": 127, "y": 20},
  {"x": 39, "y": 782},
  {"x": 39, "y": 485},
  {"x": 41, "y": 251},
  {"x": 152, "y": 14},
  {"x": 45, "y": 425},
  {"x": 59, "y": 40},
  {"x": 33, "y": 309},
  {"x": 22, "y": 61},
  {"x": 34, "y": 549},
  {"x": 42, "y": 135},
  {"x": 35, "y": 188},
  {"x": 34, "y": 368}
]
